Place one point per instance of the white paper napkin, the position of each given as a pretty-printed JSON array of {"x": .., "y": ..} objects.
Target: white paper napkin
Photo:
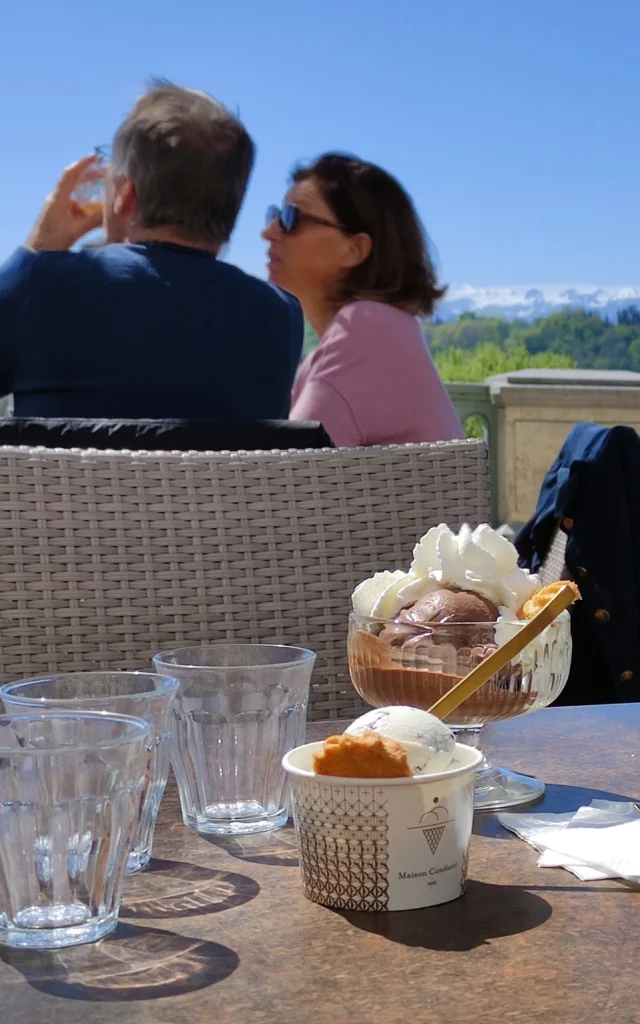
[{"x": 601, "y": 840}]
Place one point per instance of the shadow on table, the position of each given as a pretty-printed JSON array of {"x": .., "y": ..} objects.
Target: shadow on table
[
  {"x": 486, "y": 912},
  {"x": 175, "y": 889},
  {"x": 132, "y": 964},
  {"x": 277, "y": 848},
  {"x": 556, "y": 800}
]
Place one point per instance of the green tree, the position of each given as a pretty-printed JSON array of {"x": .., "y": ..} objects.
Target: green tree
[
  {"x": 457, "y": 364},
  {"x": 572, "y": 332},
  {"x": 467, "y": 333},
  {"x": 629, "y": 316},
  {"x": 587, "y": 339},
  {"x": 488, "y": 359}
]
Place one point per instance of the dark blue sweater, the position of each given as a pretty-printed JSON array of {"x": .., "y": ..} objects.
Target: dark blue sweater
[{"x": 154, "y": 331}]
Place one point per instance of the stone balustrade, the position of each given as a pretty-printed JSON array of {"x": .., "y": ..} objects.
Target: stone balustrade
[{"x": 527, "y": 415}]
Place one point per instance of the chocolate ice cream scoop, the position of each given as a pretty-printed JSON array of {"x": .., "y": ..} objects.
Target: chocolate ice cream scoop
[{"x": 449, "y": 605}]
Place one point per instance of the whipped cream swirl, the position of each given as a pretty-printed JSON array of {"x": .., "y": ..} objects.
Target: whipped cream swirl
[{"x": 479, "y": 560}]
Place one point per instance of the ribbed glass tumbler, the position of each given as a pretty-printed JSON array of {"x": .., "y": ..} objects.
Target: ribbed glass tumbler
[
  {"x": 140, "y": 694},
  {"x": 240, "y": 708},
  {"x": 70, "y": 789}
]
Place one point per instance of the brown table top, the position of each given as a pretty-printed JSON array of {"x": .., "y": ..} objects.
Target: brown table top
[{"x": 220, "y": 931}]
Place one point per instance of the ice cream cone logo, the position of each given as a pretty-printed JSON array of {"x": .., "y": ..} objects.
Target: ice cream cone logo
[
  {"x": 433, "y": 836},
  {"x": 433, "y": 824}
]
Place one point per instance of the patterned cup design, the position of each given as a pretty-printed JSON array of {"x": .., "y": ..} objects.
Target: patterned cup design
[{"x": 394, "y": 844}]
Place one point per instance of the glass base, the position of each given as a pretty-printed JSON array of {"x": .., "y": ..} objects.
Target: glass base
[
  {"x": 497, "y": 788},
  {"x": 47, "y": 928},
  {"x": 237, "y": 819},
  {"x": 138, "y": 860}
]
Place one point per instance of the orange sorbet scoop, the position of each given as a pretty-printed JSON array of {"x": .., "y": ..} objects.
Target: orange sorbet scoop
[{"x": 369, "y": 756}]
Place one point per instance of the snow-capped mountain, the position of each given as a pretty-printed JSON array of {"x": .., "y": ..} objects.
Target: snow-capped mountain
[{"x": 530, "y": 301}]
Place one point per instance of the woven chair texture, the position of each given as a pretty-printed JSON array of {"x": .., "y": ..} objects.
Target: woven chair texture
[
  {"x": 108, "y": 557},
  {"x": 553, "y": 567}
]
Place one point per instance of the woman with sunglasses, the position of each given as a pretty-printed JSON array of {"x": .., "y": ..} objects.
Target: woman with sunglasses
[{"x": 349, "y": 245}]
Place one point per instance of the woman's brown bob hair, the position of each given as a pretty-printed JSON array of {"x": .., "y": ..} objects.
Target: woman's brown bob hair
[{"x": 364, "y": 198}]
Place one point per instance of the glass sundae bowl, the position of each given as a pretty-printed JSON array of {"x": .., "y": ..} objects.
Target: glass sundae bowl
[{"x": 393, "y": 662}]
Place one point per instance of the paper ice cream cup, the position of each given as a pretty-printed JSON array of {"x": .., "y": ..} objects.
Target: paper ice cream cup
[{"x": 383, "y": 844}]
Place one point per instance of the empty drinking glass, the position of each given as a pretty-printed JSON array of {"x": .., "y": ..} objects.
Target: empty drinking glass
[
  {"x": 140, "y": 694},
  {"x": 239, "y": 710},
  {"x": 69, "y": 791}
]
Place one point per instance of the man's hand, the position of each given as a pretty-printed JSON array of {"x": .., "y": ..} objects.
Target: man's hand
[{"x": 62, "y": 221}]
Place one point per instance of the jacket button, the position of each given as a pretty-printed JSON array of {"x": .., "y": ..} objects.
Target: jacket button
[
  {"x": 581, "y": 572},
  {"x": 567, "y": 522},
  {"x": 602, "y": 615},
  {"x": 626, "y": 676}
]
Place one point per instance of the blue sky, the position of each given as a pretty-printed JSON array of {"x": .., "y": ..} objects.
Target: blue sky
[{"x": 515, "y": 124}]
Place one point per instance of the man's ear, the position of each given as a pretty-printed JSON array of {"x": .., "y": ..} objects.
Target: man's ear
[{"x": 124, "y": 203}]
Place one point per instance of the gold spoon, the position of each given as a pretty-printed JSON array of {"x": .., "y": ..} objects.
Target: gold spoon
[{"x": 504, "y": 654}]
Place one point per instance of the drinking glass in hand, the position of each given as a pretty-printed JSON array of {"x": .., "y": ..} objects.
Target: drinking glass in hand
[
  {"x": 140, "y": 694},
  {"x": 69, "y": 791},
  {"x": 239, "y": 710},
  {"x": 89, "y": 194}
]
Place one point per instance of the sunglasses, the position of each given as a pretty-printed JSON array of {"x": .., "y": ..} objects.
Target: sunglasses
[{"x": 289, "y": 217}]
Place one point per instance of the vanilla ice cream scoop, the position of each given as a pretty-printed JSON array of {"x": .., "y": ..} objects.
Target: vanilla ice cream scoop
[{"x": 430, "y": 743}]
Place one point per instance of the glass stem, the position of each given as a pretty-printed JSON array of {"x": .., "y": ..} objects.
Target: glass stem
[{"x": 471, "y": 738}]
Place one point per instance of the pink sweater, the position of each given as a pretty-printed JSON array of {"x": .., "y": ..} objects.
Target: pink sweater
[{"x": 372, "y": 381}]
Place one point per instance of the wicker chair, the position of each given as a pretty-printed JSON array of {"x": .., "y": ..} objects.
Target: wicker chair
[
  {"x": 553, "y": 567},
  {"x": 107, "y": 557}
]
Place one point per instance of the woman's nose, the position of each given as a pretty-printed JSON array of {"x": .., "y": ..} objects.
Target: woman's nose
[{"x": 272, "y": 231}]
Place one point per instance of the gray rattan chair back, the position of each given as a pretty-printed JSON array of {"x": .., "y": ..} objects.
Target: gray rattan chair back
[{"x": 107, "y": 557}]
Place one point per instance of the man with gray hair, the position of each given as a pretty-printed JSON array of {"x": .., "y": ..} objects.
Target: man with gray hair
[{"x": 153, "y": 324}]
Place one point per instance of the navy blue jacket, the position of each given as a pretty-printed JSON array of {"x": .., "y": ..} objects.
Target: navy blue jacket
[
  {"x": 149, "y": 331},
  {"x": 592, "y": 492}
]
